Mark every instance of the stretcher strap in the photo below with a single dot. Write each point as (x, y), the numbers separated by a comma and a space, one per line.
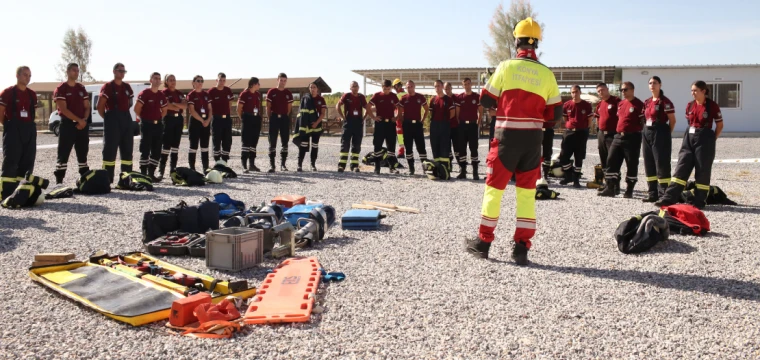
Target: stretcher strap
(216, 329)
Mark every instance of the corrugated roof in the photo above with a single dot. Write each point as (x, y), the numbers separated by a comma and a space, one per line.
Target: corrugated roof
(706, 66)
(236, 84)
(464, 69)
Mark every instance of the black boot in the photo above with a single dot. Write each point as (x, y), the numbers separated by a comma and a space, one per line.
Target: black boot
(191, 160)
(252, 161)
(462, 171)
(110, 169)
(568, 176)
(609, 190)
(545, 168)
(173, 162)
(313, 156)
(520, 253)
(204, 161)
(576, 180)
(144, 170)
(301, 156)
(282, 163)
(271, 163)
(151, 174)
(475, 175)
(630, 184)
(162, 165)
(411, 166)
(652, 195)
(59, 175)
(244, 161)
(377, 166)
(477, 247)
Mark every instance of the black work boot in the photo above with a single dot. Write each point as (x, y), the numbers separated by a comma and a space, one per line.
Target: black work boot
(520, 253)
(204, 161)
(301, 156)
(377, 166)
(652, 195)
(411, 166)
(576, 180)
(59, 175)
(545, 168)
(271, 164)
(462, 171)
(191, 161)
(252, 161)
(144, 170)
(630, 184)
(475, 175)
(282, 165)
(244, 161)
(313, 158)
(477, 247)
(609, 190)
(567, 177)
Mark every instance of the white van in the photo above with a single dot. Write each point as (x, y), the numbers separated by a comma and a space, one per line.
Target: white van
(54, 122)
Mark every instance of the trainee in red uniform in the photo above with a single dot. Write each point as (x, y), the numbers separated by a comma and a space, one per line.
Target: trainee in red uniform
(152, 102)
(199, 100)
(24, 100)
(656, 111)
(353, 105)
(606, 112)
(173, 97)
(440, 108)
(468, 106)
(577, 114)
(122, 92)
(74, 97)
(220, 100)
(412, 105)
(699, 116)
(630, 116)
(384, 104)
(279, 100)
(251, 101)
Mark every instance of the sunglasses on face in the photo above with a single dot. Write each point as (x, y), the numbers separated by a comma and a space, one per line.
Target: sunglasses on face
(122, 71)
(199, 81)
(623, 89)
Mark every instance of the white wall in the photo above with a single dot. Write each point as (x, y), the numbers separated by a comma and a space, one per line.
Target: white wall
(676, 83)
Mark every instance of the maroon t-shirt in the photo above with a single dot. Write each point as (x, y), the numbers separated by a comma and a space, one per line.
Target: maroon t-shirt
(353, 105)
(577, 114)
(630, 116)
(220, 100)
(199, 100)
(279, 100)
(173, 97)
(384, 104)
(74, 97)
(468, 106)
(658, 110)
(123, 94)
(24, 100)
(606, 112)
(702, 116)
(412, 105)
(319, 102)
(152, 102)
(251, 100)
(440, 108)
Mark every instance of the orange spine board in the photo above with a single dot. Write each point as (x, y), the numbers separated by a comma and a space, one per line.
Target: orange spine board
(287, 294)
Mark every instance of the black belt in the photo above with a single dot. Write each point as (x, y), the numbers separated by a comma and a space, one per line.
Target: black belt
(148, 121)
(622, 133)
(250, 114)
(413, 121)
(173, 115)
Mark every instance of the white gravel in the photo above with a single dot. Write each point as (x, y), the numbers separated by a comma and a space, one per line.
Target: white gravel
(411, 291)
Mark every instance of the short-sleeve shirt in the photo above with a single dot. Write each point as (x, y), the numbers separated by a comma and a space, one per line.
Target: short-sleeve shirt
(440, 108)
(220, 100)
(630, 116)
(173, 97)
(123, 95)
(320, 103)
(24, 101)
(702, 116)
(468, 106)
(152, 102)
(577, 114)
(279, 100)
(606, 111)
(74, 97)
(384, 104)
(657, 111)
(353, 105)
(412, 105)
(199, 100)
(251, 101)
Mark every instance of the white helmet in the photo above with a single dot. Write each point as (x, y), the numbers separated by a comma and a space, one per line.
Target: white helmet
(541, 182)
(214, 177)
(221, 162)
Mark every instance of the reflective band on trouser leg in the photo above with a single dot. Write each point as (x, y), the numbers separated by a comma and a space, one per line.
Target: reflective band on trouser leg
(662, 181)
(678, 181)
(525, 227)
(703, 187)
(343, 160)
(496, 180)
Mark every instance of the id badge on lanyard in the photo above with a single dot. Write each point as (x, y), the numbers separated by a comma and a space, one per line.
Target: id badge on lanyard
(203, 110)
(356, 112)
(24, 114)
(255, 111)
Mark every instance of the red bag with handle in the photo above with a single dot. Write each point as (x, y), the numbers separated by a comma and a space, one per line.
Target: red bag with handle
(690, 216)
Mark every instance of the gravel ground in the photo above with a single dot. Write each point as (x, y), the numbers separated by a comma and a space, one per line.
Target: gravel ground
(411, 291)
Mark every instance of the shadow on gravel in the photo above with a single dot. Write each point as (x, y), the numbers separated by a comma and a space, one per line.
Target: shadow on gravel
(133, 196)
(673, 247)
(8, 242)
(180, 191)
(736, 289)
(24, 223)
(75, 208)
(745, 209)
(333, 241)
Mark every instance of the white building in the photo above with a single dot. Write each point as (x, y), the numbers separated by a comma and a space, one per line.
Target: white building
(736, 88)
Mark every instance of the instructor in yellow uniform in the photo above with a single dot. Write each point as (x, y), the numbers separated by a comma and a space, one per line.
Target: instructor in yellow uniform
(525, 93)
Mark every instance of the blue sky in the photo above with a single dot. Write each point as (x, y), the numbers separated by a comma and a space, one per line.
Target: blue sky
(331, 38)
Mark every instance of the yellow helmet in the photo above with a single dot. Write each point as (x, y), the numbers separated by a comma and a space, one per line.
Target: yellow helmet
(396, 82)
(528, 29)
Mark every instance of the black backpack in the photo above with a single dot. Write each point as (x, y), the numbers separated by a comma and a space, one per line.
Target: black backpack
(94, 182)
(715, 196)
(27, 192)
(641, 232)
(134, 181)
(194, 219)
(183, 176)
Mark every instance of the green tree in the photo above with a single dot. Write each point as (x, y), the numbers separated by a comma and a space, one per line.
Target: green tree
(77, 48)
(502, 27)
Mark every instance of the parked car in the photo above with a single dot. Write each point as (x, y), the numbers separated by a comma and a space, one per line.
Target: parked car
(54, 122)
